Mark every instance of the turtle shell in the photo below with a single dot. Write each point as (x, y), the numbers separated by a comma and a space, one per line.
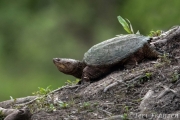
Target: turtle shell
(114, 50)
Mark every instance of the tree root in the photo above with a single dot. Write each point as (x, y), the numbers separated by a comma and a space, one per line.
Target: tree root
(165, 91)
(23, 114)
(8, 103)
(14, 114)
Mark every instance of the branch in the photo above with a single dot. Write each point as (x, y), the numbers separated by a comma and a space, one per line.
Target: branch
(8, 103)
(14, 114)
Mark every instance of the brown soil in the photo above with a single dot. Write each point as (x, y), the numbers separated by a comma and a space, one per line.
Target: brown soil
(158, 80)
(150, 91)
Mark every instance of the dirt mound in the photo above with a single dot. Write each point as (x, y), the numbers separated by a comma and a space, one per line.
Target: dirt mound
(148, 91)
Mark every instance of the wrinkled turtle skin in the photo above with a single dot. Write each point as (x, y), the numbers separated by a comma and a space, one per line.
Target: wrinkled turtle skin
(102, 58)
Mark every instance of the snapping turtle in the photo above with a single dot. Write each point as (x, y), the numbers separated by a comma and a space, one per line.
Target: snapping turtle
(102, 58)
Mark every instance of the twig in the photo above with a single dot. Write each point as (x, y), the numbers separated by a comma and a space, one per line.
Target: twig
(64, 87)
(108, 113)
(52, 92)
(110, 86)
(14, 114)
(116, 117)
(113, 84)
(6, 112)
(7, 103)
(165, 91)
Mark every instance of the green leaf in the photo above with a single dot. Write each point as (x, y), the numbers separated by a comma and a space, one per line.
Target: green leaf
(131, 29)
(124, 24)
(138, 32)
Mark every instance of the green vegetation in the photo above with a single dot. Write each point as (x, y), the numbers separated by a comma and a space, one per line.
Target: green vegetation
(145, 78)
(148, 75)
(42, 91)
(63, 104)
(126, 26)
(125, 116)
(175, 77)
(41, 102)
(86, 105)
(165, 58)
(1, 116)
(155, 33)
(72, 82)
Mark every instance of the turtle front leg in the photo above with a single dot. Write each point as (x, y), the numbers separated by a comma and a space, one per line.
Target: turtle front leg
(93, 73)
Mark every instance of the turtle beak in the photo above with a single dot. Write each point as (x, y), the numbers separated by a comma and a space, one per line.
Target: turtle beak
(55, 60)
(59, 63)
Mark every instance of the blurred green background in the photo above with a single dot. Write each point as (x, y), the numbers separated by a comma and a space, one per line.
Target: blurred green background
(32, 32)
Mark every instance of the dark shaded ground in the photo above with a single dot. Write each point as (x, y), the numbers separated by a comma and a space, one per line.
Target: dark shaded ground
(148, 91)
(90, 102)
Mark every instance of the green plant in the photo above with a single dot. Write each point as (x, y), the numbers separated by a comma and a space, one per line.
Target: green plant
(95, 104)
(1, 115)
(125, 116)
(42, 103)
(52, 107)
(126, 25)
(165, 58)
(14, 99)
(86, 105)
(148, 75)
(175, 76)
(155, 33)
(63, 104)
(42, 91)
(145, 78)
(69, 82)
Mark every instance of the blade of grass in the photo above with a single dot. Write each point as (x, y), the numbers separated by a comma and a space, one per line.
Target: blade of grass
(124, 24)
(132, 31)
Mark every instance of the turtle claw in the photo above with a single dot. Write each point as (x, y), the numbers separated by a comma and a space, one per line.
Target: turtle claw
(83, 82)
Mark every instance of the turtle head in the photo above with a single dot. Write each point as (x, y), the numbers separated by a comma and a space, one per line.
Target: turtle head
(69, 66)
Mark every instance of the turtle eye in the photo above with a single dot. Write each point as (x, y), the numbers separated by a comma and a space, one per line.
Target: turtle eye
(58, 59)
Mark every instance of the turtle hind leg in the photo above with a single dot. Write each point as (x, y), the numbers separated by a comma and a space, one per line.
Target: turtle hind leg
(91, 74)
(150, 52)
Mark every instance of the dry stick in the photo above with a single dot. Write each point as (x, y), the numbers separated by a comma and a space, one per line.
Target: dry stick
(113, 84)
(64, 87)
(108, 113)
(6, 112)
(116, 117)
(52, 92)
(14, 114)
(7, 103)
(145, 99)
(165, 91)
(29, 99)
